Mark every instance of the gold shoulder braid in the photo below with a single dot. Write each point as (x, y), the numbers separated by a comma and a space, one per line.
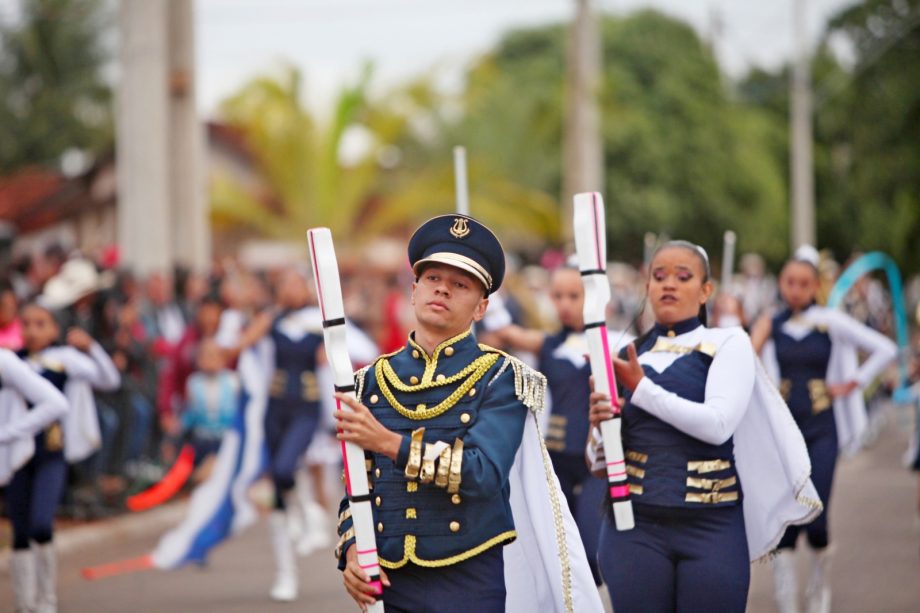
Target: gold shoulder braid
(470, 376)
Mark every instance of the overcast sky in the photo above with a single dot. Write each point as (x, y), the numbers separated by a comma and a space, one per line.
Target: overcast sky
(328, 39)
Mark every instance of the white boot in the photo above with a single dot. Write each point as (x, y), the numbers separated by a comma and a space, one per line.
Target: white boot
(785, 586)
(315, 530)
(46, 573)
(22, 573)
(285, 586)
(818, 594)
(318, 533)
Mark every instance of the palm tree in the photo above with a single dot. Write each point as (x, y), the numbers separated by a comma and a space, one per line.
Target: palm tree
(377, 190)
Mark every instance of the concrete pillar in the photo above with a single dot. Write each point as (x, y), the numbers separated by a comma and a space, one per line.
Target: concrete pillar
(142, 136)
(191, 235)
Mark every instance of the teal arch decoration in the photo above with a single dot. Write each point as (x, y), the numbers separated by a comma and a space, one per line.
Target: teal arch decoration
(863, 265)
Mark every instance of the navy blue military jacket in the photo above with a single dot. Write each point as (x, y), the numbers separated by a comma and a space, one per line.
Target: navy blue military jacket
(474, 400)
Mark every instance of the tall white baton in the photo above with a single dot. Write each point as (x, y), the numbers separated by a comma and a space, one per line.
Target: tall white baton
(460, 183)
(728, 260)
(591, 245)
(329, 292)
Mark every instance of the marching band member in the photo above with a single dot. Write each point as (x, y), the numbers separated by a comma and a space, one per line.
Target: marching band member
(36, 487)
(441, 422)
(811, 352)
(291, 350)
(711, 490)
(561, 359)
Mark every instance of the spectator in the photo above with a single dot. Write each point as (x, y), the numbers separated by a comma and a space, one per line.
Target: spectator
(10, 326)
(212, 396)
(181, 363)
(161, 315)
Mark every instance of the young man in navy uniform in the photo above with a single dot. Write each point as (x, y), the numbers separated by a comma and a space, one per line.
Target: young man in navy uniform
(440, 421)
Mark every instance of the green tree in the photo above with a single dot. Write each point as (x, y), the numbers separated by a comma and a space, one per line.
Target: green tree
(869, 124)
(681, 156)
(52, 94)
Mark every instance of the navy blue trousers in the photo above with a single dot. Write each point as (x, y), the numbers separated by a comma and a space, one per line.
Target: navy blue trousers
(289, 428)
(33, 494)
(822, 451)
(683, 560)
(585, 495)
(477, 584)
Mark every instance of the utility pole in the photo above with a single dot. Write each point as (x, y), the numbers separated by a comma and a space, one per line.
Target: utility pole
(802, 213)
(583, 151)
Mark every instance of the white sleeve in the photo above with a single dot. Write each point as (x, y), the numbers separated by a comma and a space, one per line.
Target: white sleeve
(729, 386)
(95, 367)
(880, 348)
(48, 403)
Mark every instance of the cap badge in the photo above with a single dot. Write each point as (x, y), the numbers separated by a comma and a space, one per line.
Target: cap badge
(460, 228)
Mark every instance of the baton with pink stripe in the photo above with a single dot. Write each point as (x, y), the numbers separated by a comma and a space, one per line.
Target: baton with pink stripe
(329, 293)
(591, 247)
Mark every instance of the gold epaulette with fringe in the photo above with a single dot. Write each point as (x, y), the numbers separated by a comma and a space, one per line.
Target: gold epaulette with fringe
(529, 384)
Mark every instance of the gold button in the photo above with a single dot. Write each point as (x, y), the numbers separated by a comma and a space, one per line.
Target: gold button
(380, 526)
(455, 499)
(377, 501)
(413, 380)
(464, 418)
(374, 398)
(441, 378)
(449, 351)
(421, 406)
(472, 392)
(377, 472)
(454, 526)
(671, 333)
(415, 353)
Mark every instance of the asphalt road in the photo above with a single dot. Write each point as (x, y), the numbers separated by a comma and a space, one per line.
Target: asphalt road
(874, 526)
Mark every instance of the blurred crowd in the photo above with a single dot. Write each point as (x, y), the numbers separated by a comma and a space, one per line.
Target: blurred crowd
(162, 329)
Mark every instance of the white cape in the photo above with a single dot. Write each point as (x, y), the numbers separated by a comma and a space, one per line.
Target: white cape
(774, 468)
(546, 568)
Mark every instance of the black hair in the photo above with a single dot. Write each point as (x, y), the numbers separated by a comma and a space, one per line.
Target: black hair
(808, 263)
(212, 298)
(58, 316)
(702, 256)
